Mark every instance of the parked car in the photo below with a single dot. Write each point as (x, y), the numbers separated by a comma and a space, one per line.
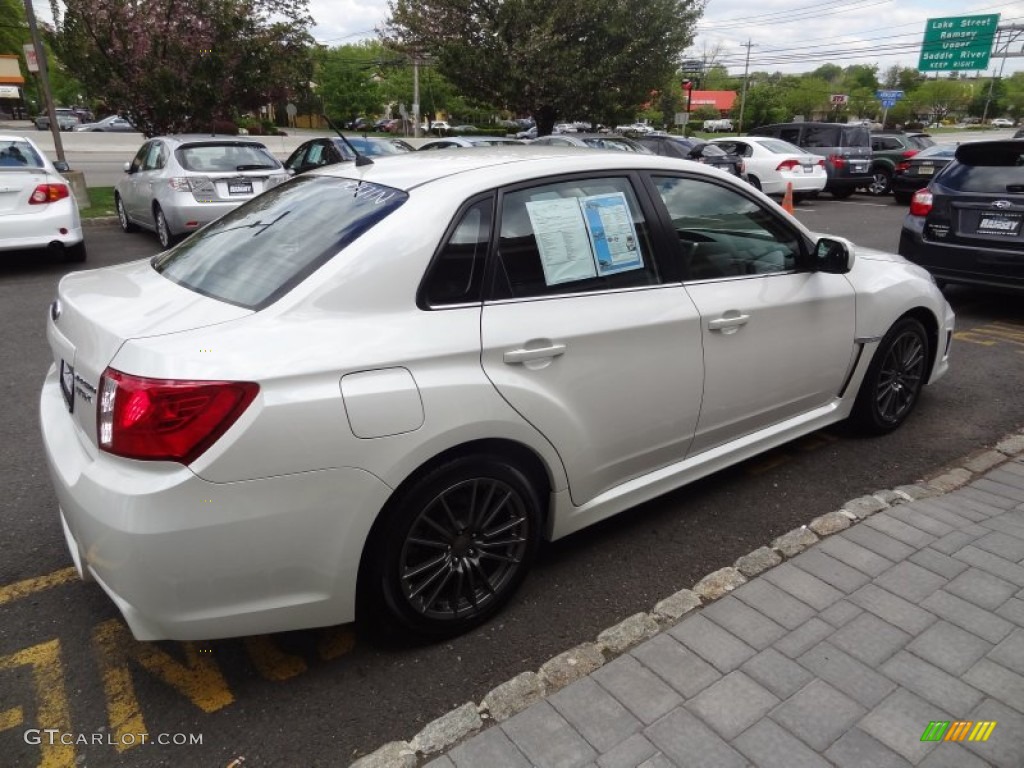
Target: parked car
(714, 126)
(889, 149)
(177, 184)
(696, 150)
(318, 409)
(1002, 122)
(436, 128)
(317, 153)
(66, 120)
(111, 124)
(846, 149)
(916, 172)
(527, 134)
(38, 209)
(773, 164)
(965, 226)
(458, 129)
(591, 141)
(455, 142)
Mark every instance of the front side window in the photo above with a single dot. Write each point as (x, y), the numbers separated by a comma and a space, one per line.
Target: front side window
(573, 236)
(258, 252)
(722, 233)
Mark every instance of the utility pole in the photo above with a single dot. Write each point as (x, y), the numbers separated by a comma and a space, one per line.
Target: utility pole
(746, 69)
(44, 78)
(415, 93)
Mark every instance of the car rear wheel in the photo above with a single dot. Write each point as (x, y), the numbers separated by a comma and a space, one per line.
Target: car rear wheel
(754, 181)
(880, 181)
(452, 549)
(163, 231)
(122, 215)
(894, 379)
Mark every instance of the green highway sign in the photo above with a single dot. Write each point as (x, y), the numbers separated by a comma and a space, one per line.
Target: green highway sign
(958, 42)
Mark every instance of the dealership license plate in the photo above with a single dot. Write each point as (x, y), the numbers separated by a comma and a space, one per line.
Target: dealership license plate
(239, 187)
(999, 224)
(926, 170)
(858, 167)
(67, 384)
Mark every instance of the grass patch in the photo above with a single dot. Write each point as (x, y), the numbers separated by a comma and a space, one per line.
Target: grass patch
(102, 203)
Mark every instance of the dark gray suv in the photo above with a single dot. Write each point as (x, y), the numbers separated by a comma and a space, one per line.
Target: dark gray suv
(846, 149)
(967, 225)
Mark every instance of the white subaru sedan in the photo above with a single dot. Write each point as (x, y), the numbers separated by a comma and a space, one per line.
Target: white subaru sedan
(374, 390)
(38, 210)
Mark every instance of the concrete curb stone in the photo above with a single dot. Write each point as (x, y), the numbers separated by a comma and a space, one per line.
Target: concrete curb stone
(515, 695)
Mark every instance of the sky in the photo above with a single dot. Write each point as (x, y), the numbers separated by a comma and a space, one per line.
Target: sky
(789, 36)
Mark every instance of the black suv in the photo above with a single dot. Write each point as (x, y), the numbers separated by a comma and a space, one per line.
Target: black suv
(889, 149)
(846, 149)
(965, 226)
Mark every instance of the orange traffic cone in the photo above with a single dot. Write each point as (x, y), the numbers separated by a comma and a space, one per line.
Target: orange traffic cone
(787, 200)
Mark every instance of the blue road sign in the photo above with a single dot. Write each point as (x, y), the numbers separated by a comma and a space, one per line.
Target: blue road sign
(889, 95)
(888, 103)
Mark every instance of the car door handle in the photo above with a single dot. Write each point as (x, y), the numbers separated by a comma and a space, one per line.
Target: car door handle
(524, 354)
(728, 321)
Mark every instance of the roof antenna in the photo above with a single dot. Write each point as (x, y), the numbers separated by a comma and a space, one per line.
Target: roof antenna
(360, 159)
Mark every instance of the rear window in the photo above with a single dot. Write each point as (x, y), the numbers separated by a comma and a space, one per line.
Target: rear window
(257, 253)
(855, 136)
(987, 167)
(225, 157)
(779, 147)
(19, 154)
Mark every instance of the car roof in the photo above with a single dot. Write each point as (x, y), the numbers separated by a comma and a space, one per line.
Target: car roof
(192, 138)
(491, 166)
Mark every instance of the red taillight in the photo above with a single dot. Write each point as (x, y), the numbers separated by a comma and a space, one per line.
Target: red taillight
(902, 167)
(787, 165)
(166, 419)
(910, 152)
(921, 203)
(48, 193)
(838, 161)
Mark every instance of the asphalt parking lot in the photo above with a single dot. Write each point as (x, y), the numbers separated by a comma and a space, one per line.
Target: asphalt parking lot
(323, 697)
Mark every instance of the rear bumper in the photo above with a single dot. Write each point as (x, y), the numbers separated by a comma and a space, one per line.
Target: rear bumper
(25, 231)
(187, 559)
(956, 263)
(184, 214)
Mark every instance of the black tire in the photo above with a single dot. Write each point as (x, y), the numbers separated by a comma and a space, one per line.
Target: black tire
(880, 184)
(902, 198)
(428, 567)
(754, 181)
(122, 215)
(893, 383)
(841, 193)
(75, 253)
(163, 231)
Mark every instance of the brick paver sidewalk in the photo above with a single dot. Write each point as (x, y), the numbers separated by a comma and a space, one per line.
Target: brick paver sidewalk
(842, 656)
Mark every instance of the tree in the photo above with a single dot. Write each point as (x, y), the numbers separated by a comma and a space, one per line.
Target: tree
(939, 98)
(175, 66)
(830, 73)
(582, 59)
(13, 28)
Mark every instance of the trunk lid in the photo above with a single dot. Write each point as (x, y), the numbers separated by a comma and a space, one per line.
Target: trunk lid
(16, 186)
(97, 311)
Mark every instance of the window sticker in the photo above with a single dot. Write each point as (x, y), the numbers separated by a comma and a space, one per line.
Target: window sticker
(579, 238)
(565, 250)
(612, 233)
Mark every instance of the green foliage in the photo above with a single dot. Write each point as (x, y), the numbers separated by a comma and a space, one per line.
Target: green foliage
(175, 66)
(580, 59)
(939, 98)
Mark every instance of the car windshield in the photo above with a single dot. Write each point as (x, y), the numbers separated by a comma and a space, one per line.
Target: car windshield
(225, 157)
(19, 154)
(261, 250)
(938, 150)
(601, 142)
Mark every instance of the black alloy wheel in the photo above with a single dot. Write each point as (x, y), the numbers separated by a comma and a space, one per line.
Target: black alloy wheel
(893, 383)
(453, 549)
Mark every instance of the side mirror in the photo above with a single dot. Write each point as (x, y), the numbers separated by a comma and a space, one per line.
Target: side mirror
(127, 167)
(61, 166)
(833, 255)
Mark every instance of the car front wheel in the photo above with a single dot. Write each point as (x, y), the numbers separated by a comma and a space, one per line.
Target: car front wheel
(452, 549)
(894, 379)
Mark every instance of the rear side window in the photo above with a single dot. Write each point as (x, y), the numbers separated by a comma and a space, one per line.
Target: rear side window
(854, 136)
(456, 274)
(225, 157)
(821, 136)
(255, 254)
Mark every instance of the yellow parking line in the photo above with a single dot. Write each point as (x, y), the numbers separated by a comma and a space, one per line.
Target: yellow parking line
(20, 589)
(11, 718)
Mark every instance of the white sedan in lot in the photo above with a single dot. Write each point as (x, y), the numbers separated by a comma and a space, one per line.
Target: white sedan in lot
(373, 390)
(773, 164)
(38, 209)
